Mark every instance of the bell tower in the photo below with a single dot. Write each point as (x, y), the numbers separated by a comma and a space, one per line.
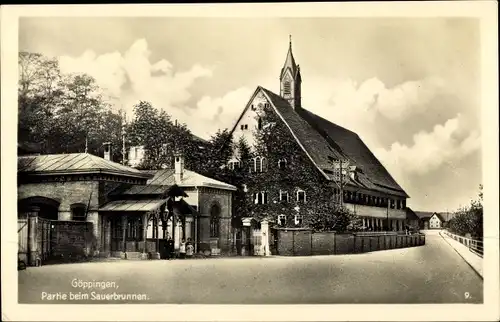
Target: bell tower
(290, 80)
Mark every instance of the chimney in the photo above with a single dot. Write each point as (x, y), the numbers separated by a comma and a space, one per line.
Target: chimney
(179, 167)
(107, 151)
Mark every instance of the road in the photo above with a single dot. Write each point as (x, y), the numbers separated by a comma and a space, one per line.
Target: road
(433, 273)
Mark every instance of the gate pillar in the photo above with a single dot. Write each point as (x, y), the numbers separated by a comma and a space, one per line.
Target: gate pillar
(265, 235)
(33, 251)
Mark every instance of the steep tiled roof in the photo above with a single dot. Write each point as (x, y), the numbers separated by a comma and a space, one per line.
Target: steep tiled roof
(317, 147)
(73, 163)
(410, 214)
(355, 149)
(189, 179)
(323, 140)
(424, 214)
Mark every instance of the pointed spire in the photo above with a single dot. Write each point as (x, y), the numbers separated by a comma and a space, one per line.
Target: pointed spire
(289, 61)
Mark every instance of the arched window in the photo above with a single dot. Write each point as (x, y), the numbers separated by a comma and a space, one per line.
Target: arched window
(214, 221)
(264, 165)
(282, 164)
(78, 212)
(257, 164)
(287, 88)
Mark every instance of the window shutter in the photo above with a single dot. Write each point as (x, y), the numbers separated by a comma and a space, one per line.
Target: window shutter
(264, 164)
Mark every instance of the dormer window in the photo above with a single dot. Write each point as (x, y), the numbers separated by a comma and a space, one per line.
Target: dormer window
(282, 164)
(301, 196)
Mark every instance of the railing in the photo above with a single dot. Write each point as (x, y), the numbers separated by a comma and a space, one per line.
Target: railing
(474, 245)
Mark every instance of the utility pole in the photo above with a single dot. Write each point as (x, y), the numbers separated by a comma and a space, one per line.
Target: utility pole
(341, 186)
(339, 178)
(124, 115)
(388, 201)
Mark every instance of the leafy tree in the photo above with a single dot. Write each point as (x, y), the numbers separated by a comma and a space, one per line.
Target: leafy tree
(63, 113)
(39, 94)
(469, 219)
(162, 139)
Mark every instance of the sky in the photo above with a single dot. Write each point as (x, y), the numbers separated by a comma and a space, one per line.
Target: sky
(409, 87)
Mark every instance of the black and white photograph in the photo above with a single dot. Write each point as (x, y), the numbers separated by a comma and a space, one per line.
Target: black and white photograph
(229, 155)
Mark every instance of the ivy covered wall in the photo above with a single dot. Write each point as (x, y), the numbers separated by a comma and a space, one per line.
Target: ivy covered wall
(277, 163)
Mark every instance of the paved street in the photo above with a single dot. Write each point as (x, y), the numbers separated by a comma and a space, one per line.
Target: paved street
(433, 273)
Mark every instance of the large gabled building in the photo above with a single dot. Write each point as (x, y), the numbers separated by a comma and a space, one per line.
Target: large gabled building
(370, 191)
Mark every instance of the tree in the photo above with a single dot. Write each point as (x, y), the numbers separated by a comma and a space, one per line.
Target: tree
(162, 139)
(63, 113)
(469, 219)
(39, 94)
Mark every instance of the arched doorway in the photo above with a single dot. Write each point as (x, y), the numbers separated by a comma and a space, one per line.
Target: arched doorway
(47, 208)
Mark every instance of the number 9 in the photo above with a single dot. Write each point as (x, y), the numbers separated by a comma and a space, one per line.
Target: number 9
(467, 295)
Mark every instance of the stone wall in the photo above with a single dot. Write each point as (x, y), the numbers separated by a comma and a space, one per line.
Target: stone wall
(67, 194)
(294, 242)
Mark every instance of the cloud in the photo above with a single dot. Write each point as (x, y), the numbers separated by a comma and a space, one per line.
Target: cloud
(155, 82)
(221, 112)
(446, 144)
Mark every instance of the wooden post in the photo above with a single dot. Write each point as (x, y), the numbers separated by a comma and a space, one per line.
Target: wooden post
(156, 230)
(145, 223)
(196, 234)
(124, 230)
(174, 221)
(32, 237)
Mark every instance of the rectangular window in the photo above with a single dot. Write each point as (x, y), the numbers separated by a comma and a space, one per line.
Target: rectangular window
(283, 196)
(232, 165)
(282, 220)
(298, 220)
(301, 196)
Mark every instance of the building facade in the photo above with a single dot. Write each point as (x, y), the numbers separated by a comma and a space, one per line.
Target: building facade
(320, 147)
(212, 199)
(130, 212)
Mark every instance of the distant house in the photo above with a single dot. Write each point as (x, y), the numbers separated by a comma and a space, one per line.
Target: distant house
(137, 153)
(430, 220)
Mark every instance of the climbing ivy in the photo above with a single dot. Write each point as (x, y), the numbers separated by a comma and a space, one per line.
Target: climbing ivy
(275, 143)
